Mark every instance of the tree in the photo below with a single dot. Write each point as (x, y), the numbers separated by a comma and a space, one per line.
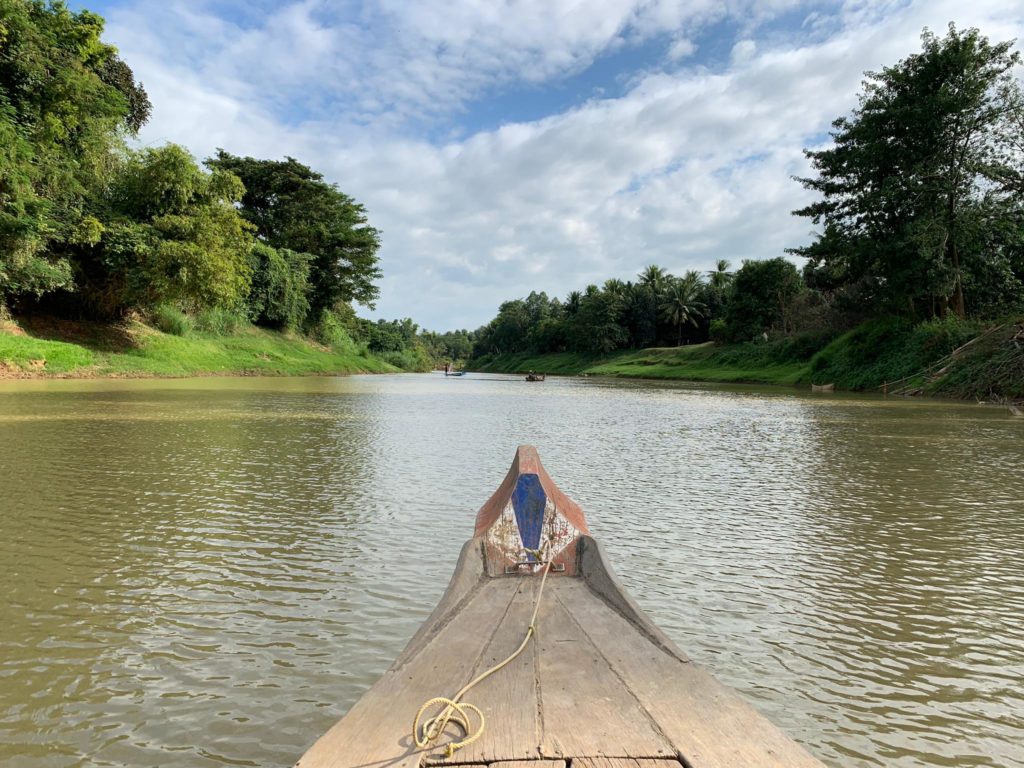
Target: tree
(928, 160)
(681, 303)
(277, 298)
(652, 282)
(292, 207)
(174, 236)
(572, 302)
(597, 327)
(762, 293)
(720, 277)
(66, 102)
(654, 277)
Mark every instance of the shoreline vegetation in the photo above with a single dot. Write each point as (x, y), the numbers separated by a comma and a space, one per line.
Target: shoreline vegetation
(121, 260)
(948, 359)
(133, 349)
(913, 282)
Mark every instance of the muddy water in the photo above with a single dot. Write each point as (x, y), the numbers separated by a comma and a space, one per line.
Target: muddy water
(209, 572)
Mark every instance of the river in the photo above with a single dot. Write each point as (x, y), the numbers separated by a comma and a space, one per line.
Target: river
(209, 572)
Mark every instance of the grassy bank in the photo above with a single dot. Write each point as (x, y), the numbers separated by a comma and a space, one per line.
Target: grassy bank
(133, 349)
(950, 358)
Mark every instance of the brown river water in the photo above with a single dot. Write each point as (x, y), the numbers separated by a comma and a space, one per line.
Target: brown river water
(210, 572)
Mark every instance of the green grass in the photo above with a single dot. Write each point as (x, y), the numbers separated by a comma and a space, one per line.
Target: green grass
(145, 351)
(990, 369)
(773, 363)
(889, 350)
(878, 352)
(558, 364)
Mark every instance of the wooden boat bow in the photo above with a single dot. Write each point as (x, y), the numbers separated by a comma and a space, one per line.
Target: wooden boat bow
(599, 687)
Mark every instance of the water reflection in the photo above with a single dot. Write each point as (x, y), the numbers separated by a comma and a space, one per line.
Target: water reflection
(210, 572)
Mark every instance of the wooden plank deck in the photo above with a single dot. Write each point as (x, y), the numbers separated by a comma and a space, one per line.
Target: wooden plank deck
(598, 688)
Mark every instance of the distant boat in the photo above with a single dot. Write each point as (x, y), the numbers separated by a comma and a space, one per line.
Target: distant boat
(573, 674)
(823, 387)
(455, 373)
(535, 377)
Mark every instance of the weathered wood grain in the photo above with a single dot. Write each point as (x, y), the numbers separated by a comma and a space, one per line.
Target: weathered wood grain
(708, 724)
(377, 730)
(598, 687)
(585, 707)
(508, 698)
(623, 762)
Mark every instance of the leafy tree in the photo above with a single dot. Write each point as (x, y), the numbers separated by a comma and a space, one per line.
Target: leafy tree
(66, 101)
(277, 298)
(175, 236)
(449, 346)
(716, 290)
(928, 161)
(655, 278)
(597, 327)
(509, 331)
(640, 315)
(762, 293)
(572, 302)
(653, 281)
(292, 206)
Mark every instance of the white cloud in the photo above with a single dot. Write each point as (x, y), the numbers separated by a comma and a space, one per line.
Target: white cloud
(685, 167)
(743, 51)
(681, 49)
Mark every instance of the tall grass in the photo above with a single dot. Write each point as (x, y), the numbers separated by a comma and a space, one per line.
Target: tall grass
(171, 320)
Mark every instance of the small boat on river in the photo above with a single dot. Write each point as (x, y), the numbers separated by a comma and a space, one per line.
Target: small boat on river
(535, 377)
(536, 654)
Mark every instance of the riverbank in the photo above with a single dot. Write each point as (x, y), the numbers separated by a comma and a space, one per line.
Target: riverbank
(947, 358)
(62, 349)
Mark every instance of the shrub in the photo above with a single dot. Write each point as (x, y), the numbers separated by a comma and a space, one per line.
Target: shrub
(410, 359)
(330, 331)
(220, 321)
(172, 320)
(277, 298)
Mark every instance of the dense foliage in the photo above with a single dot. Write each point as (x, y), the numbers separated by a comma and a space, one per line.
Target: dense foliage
(922, 208)
(66, 102)
(92, 228)
(291, 206)
(921, 190)
(658, 309)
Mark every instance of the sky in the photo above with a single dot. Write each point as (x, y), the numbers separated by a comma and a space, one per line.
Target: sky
(506, 146)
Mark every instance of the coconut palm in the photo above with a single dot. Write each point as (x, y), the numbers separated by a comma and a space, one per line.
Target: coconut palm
(572, 302)
(615, 287)
(655, 278)
(720, 276)
(680, 303)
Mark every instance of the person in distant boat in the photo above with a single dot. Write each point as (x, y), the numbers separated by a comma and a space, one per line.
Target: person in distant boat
(447, 368)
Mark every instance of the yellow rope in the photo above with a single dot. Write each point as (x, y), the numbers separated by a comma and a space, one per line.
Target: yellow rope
(454, 710)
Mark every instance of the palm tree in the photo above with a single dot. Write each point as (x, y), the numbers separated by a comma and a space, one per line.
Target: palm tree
(654, 277)
(720, 276)
(572, 302)
(615, 287)
(681, 304)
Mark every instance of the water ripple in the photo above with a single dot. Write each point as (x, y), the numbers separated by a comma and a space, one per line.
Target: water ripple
(208, 573)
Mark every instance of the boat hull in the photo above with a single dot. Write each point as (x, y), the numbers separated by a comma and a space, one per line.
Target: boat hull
(600, 686)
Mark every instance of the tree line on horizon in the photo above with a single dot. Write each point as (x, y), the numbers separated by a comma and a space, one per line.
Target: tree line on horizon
(921, 214)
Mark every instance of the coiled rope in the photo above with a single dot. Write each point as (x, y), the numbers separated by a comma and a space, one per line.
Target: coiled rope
(455, 710)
